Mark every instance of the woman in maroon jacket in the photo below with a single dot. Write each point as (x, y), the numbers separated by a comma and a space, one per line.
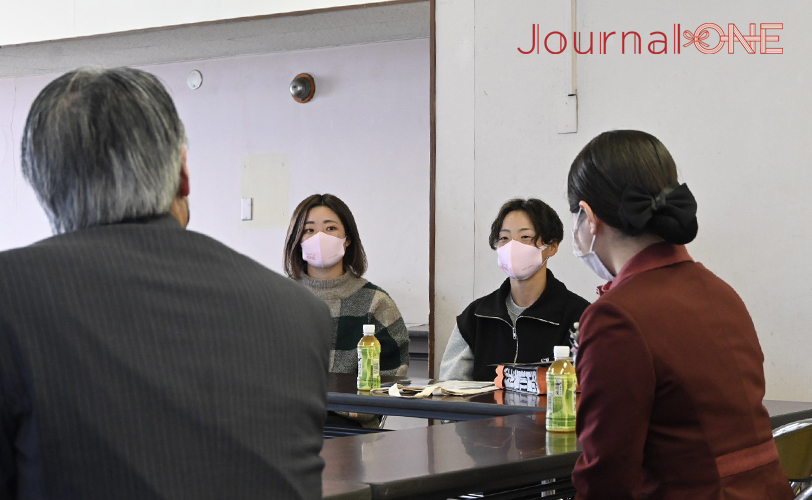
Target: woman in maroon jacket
(669, 360)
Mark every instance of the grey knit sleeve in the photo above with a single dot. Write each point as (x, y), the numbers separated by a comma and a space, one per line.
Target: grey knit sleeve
(387, 314)
(458, 358)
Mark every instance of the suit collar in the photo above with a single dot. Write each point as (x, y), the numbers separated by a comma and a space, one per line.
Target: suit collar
(652, 257)
(165, 219)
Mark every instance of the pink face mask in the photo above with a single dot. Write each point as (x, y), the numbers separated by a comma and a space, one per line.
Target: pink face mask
(323, 250)
(520, 261)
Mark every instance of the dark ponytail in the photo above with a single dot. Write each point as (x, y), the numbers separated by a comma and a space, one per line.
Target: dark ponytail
(629, 180)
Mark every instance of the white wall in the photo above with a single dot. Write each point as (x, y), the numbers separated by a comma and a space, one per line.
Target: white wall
(364, 137)
(22, 221)
(25, 21)
(737, 125)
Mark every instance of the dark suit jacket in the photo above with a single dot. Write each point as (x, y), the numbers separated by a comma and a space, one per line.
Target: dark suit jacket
(143, 361)
(671, 372)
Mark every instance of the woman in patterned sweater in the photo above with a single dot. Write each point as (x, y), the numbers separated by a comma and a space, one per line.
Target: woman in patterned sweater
(324, 253)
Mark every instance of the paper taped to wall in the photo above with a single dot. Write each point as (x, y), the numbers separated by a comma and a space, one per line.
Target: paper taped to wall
(265, 179)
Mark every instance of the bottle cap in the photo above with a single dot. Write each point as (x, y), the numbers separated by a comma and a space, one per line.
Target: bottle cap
(370, 330)
(561, 351)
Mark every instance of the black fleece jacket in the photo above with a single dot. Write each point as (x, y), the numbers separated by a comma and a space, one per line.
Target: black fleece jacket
(486, 326)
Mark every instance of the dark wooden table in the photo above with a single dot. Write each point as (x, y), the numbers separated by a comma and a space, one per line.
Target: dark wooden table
(439, 461)
(344, 490)
(784, 412)
(481, 452)
(453, 459)
(343, 396)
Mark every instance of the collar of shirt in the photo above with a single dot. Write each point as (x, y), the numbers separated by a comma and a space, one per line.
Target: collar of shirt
(652, 257)
(548, 307)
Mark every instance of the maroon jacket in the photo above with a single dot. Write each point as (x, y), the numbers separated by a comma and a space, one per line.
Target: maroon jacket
(671, 372)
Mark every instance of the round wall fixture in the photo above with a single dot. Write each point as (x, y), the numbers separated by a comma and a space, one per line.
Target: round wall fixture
(303, 87)
(195, 79)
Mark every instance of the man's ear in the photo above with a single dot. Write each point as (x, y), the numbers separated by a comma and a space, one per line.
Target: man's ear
(552, 249)
(183, 188)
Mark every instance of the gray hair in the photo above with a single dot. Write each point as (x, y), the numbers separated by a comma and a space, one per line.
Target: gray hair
(101, 146)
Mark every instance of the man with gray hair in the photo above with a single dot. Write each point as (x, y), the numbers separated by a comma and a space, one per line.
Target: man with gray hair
(139, 360)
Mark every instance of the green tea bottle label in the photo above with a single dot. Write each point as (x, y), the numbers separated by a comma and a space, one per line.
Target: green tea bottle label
(369, 367)
(560, 402)
(561, 392)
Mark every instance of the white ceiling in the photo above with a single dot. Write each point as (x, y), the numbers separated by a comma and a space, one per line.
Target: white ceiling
(379, 23)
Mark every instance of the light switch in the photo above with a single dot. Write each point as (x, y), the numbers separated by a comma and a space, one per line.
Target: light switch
(247, 208)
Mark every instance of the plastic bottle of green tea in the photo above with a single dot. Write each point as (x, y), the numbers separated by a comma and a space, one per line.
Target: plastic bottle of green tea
(369, 360)
(561, 392)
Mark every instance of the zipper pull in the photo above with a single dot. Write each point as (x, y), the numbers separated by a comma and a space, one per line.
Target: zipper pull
(514, 332)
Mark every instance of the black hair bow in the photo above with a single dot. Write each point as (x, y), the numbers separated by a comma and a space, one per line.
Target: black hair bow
(638, 206)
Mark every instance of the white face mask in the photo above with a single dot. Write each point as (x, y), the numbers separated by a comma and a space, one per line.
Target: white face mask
(520, 261)
(589, 258)
(323, 250)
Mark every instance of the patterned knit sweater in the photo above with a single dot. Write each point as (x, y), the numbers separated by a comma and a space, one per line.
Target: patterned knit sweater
(354, 302)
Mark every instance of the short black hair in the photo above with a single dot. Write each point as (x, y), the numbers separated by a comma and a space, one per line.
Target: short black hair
(545, 220)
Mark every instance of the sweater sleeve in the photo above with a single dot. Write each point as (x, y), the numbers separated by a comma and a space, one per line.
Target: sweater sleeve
(392, 334)
(458, 358)
(616, 374)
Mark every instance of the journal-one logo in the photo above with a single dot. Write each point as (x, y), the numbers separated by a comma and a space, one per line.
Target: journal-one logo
(758, 39)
